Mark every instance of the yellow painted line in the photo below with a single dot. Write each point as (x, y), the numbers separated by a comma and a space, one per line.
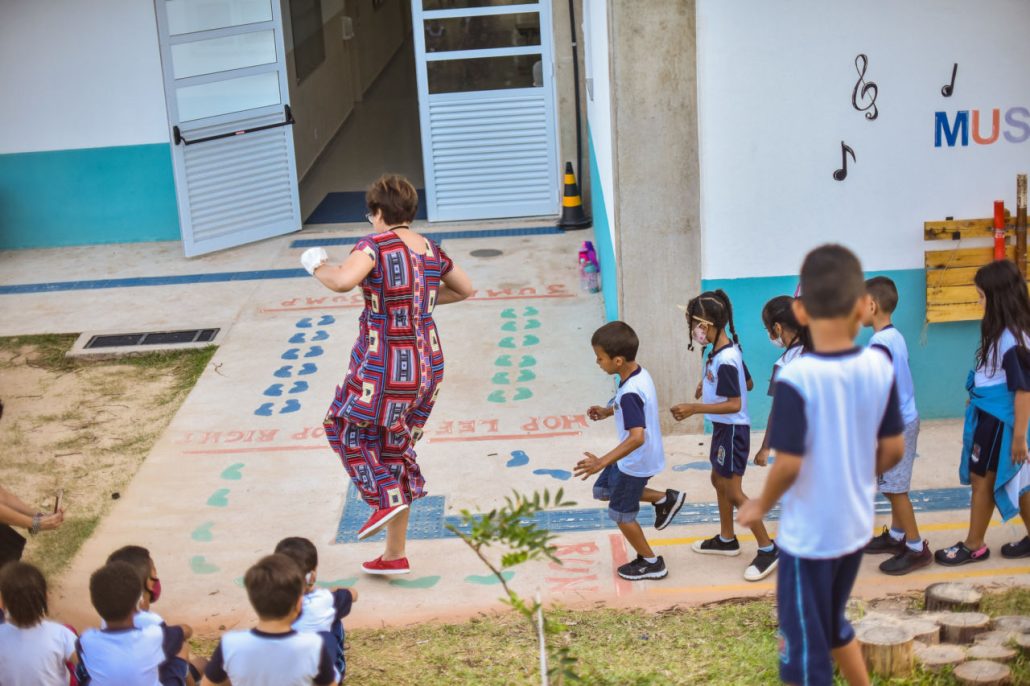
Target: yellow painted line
(939, 526)
(879, 580)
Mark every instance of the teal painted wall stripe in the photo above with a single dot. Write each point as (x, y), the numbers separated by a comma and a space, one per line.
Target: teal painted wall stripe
(81, 197)
(603, 239)
(940, 359)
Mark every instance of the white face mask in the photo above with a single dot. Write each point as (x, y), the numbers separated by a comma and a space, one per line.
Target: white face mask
(701, 334)
(778, 342)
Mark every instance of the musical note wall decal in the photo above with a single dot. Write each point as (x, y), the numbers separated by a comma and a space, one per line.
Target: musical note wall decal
(845, 150)
(865, 91)
(949, 88)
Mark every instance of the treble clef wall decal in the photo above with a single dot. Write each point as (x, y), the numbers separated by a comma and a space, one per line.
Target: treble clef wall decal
(845, 150)
(864, 90)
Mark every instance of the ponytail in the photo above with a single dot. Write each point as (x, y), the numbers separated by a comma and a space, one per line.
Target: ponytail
(721, 294)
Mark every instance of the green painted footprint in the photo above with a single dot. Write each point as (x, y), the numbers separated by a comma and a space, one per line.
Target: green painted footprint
(523, 394)
(489, 579)
(496, 397)
(527, 361)
(232, 472)
(219, 498)
(509, 326)
(530, 312)
(532, 324)
(501, 378)
(424, 582)
(503, 361)
(199, 565)
(509, 313)
(338, 583)
(529, 340)
(239, 581)
(525, 375)
(203, 532)
(507, 342)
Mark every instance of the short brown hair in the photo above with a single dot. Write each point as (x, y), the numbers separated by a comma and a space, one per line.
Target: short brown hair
(274, 585)
(617, 339)
(115, 590)
(23, 591)
(395, 197)
(883, 292)
(138, 557)
(831, 282)
(300, 550)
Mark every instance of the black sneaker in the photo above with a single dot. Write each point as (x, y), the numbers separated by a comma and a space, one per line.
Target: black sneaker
(1018, 549)
(642, 569)
(664, 513)
(717, 546)
(959, 554)
(907, 561)
(763, 565)
(884, 544)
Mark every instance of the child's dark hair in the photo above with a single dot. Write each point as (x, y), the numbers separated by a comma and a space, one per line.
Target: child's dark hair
(714, 307)
(300, 550)
(831, 282)
(1006, 306)
(274, 585)
(138, 557)
(617, 339)
(23, 590)
(883, 291)
(115, 590)
(780, 310)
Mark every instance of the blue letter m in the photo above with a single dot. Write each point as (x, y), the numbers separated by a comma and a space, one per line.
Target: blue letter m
(951, 134)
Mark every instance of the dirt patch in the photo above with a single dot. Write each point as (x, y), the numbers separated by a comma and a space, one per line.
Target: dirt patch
(83, 427)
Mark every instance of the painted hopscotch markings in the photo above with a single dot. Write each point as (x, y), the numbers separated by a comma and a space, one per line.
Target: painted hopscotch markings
(428, 520)
(549, 291)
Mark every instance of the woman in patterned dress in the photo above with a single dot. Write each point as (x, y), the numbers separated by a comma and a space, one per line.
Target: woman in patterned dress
(396, 365)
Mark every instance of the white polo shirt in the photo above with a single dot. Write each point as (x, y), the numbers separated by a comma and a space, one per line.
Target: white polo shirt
(725, 378)
(128, 657)
(892, 343)
(35, 656)
(322, 609)
(636, 405)
(256, 658)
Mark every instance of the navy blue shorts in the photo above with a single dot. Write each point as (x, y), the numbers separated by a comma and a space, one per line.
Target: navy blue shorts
(731, 446)
(811, 596)
(173, 671)
(622, 492)
(986, 444)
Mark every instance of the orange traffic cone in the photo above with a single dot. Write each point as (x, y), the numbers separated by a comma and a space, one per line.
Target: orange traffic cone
(572, 214)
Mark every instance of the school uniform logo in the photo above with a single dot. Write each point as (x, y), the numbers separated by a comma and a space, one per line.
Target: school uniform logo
(974, 454)
(720, 455)
(783, 648)
(710, 376)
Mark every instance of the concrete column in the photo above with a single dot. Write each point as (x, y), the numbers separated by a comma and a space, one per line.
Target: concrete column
(657, 186)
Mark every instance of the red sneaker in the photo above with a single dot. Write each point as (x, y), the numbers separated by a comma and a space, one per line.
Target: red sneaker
(379, 519)
(381, 566)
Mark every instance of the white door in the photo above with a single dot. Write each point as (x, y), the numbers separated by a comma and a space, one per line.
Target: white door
(232, 141)
(487, 108)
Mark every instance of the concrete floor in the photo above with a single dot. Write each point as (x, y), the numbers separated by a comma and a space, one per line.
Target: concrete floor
(243, 462)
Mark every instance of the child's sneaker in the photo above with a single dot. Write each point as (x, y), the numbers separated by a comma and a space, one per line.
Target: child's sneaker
(717, 546)
(763, 565)
(1018, 549)
(379, 519)
(382, 567)
(907, 561)
(664, 513)
(642, 569)
(959, 554)
(884, 544)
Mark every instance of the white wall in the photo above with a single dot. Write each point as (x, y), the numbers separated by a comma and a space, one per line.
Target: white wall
(599, 115)
(79, 74)
(775, 83)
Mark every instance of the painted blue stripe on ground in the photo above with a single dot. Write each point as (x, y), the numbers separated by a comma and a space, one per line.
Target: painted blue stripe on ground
(179, 279)
(428, 520)
(438, 236)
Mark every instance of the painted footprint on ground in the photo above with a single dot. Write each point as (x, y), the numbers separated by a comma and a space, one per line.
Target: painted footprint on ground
(233, 472)
(203, 532)
(489, 579)
(518, 459)
(200, 565)
(559, 474)
(424, 582)
(219, 498)
(338, 583)
(274, 391)
(692, 465)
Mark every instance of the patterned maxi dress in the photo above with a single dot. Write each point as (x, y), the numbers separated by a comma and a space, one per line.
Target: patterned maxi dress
(395, 370)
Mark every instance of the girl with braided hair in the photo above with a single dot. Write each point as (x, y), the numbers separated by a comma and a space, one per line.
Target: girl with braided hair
(724, 403)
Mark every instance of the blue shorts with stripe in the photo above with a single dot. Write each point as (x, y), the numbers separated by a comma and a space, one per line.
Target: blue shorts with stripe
(731, 447)
(811, 596)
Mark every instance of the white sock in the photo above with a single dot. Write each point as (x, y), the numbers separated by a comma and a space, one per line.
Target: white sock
(898, 536)
(650, 560)
(662, 501)
(915, 546)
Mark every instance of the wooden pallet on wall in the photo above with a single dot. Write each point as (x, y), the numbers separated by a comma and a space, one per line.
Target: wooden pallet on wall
(950, 293)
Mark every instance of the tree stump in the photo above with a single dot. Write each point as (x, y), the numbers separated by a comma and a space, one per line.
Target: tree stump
(982, 673)
(1019, 624)
(923, 630)
(937, 657)
(996, 652)
(950, 596)
(962, 627)
(1023, 641)
(997, 637)
(887, 649)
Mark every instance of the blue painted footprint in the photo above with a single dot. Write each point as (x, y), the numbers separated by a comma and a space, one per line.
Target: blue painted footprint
(527, 361)
(314, 351)
(274, 390)
(509, 313)
(518, 459)
(307, 368)
(199, 565)
(532, 324)
(264, 411)
(291, 354)
(509, 326)
(530, 312)
(507, 342)
(704, 466)
(501, 378)
(233, 472)
(284, 372)
(326, 320)
(297, 338)
(525, 375)
(203, 532)
(304, 323)
(496, 397)
(292, 405)
(503, 361)
(529, 340)
(299, 387)
(320, 336)
(219, 498)
(523, 394)
(559, 474)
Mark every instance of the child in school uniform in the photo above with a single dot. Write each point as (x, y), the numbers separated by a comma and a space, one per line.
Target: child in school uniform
(272, 653)
(994, 441)
(836, 424)
(787, 334)
(121, 654)
(724, 404)
(34, 651)
(626, 469)
(901, 540)
(323, 610)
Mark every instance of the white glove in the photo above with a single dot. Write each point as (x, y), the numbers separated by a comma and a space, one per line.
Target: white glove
(313, 258)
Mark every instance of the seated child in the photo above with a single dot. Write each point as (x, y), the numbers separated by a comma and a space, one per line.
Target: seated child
(272, 653)
(323, 610)
(121, 654)
(626, 469)
(33, 650)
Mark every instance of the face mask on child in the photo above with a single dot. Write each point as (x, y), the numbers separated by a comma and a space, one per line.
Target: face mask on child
(778, 342)
(701, 334)
(155, 592)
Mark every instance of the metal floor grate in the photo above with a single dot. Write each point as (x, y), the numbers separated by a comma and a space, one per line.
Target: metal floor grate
(122, 340)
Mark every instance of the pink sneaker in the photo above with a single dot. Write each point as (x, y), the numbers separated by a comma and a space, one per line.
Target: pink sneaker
(380, 566)
(378, 520)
